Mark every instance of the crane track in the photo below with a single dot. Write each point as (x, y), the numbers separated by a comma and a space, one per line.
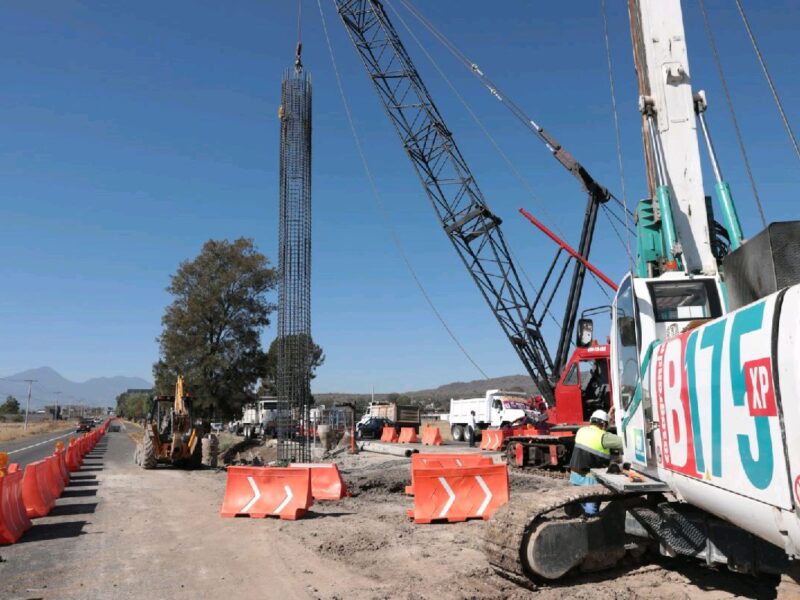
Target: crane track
(505, 532)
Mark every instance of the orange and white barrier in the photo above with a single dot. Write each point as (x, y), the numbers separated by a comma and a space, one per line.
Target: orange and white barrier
(326, 481)
(408, 435)
(37, 494)
(442, 460)
(460, 493)
(14, 519)
(259, 492)
(389, 434)
(492, 439)
(431, 436)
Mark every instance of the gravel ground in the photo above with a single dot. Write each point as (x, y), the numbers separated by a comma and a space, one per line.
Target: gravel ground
(158, 534)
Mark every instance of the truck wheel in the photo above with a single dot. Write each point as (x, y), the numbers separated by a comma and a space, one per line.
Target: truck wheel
(147, 456)
(247, 432)
(458, 433)
(511, 455)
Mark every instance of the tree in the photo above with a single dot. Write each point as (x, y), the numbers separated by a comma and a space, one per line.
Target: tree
(212, 329)
(133, 405)
(315, 357)
(10, 406)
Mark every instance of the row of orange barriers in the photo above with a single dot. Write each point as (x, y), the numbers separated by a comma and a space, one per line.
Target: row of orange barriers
(283, 492)
(456, 487)
(32, 492)
(408, 435)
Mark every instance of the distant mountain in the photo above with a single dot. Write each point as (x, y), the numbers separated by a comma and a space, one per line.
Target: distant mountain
(99, 391)
(441, 395)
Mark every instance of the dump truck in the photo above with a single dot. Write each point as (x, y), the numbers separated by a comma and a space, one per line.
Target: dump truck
(401, 415)
(496, 408)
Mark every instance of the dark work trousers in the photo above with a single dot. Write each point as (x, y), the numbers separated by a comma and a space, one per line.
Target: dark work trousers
(471, 437)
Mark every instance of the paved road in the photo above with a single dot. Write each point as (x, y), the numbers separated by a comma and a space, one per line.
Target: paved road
(36, 447)
(121, 532)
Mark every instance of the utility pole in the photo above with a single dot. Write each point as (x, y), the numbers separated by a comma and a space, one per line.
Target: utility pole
(28, 404)
(55, 410)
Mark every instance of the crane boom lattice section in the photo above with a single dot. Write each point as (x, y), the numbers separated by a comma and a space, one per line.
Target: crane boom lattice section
(467, 220)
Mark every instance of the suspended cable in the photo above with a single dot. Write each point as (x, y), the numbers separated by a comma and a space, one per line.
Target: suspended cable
(729, 101)
(379, 201)
(617, 136)
(559, 153)
(494, 143)
(299, 20)
(767, 76)
(298, 63)
(475, 118)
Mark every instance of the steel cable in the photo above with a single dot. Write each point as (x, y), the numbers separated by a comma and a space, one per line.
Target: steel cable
(379, 201)
(768, 77)
(729, 101)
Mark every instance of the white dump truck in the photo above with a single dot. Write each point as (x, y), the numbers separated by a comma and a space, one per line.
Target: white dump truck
(259, 418)
(496, 409)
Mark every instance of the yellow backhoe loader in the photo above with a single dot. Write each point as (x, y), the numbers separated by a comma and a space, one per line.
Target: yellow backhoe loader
(170, 436)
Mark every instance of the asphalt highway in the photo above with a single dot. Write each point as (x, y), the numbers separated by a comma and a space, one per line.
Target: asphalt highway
(36, 447)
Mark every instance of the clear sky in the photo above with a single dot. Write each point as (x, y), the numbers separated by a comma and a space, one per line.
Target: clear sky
(134, 131)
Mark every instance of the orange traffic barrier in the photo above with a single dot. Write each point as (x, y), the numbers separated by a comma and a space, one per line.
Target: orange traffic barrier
(61, 460)
(492, 439)
(458, 494)
(36, 489)
(431, 436)
(54, 479)
(389, 434)
(259, 492)
(73, 456)
(326, 481)
(14, 520)
(408, 435)
(444, 460)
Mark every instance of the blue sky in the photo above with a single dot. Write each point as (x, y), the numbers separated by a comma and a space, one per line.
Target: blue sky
(133, 132)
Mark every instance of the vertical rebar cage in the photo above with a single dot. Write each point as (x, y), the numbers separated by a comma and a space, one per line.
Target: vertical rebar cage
(294, 266)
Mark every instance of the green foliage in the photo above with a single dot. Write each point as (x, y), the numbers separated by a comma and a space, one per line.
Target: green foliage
(312, 357)
(10, 406)
(17, 418)
(133, 406)
(213, 327)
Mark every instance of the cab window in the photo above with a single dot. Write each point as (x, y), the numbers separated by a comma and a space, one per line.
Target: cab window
(572, 375)
(626, 340)
(684, 300)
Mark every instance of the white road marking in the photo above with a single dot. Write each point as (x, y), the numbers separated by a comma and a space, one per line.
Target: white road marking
(282, 505)
(40, 443)
(486, 491)
(450, 500)
(256, 495)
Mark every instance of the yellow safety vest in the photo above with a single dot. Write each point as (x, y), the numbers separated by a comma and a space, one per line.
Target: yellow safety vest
(589, 452)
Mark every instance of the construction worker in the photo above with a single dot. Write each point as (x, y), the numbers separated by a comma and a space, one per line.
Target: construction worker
(593, 446)
(471, 426)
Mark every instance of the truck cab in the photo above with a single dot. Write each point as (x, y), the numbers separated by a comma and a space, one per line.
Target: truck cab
(584, 386)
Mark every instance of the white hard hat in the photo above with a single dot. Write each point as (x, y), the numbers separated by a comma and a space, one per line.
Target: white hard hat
(600, 415)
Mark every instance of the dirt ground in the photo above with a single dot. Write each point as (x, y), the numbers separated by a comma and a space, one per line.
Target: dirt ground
(158, 534)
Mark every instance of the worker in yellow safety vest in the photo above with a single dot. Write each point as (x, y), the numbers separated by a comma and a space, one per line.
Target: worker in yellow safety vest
(593, 446)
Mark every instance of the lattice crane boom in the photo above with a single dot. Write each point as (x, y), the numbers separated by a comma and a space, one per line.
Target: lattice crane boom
(459, 203)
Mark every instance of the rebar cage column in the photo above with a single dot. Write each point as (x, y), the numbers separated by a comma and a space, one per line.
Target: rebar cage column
(294, 266)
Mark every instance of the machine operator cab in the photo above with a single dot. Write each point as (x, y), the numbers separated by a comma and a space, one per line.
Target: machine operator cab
(647, 311)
